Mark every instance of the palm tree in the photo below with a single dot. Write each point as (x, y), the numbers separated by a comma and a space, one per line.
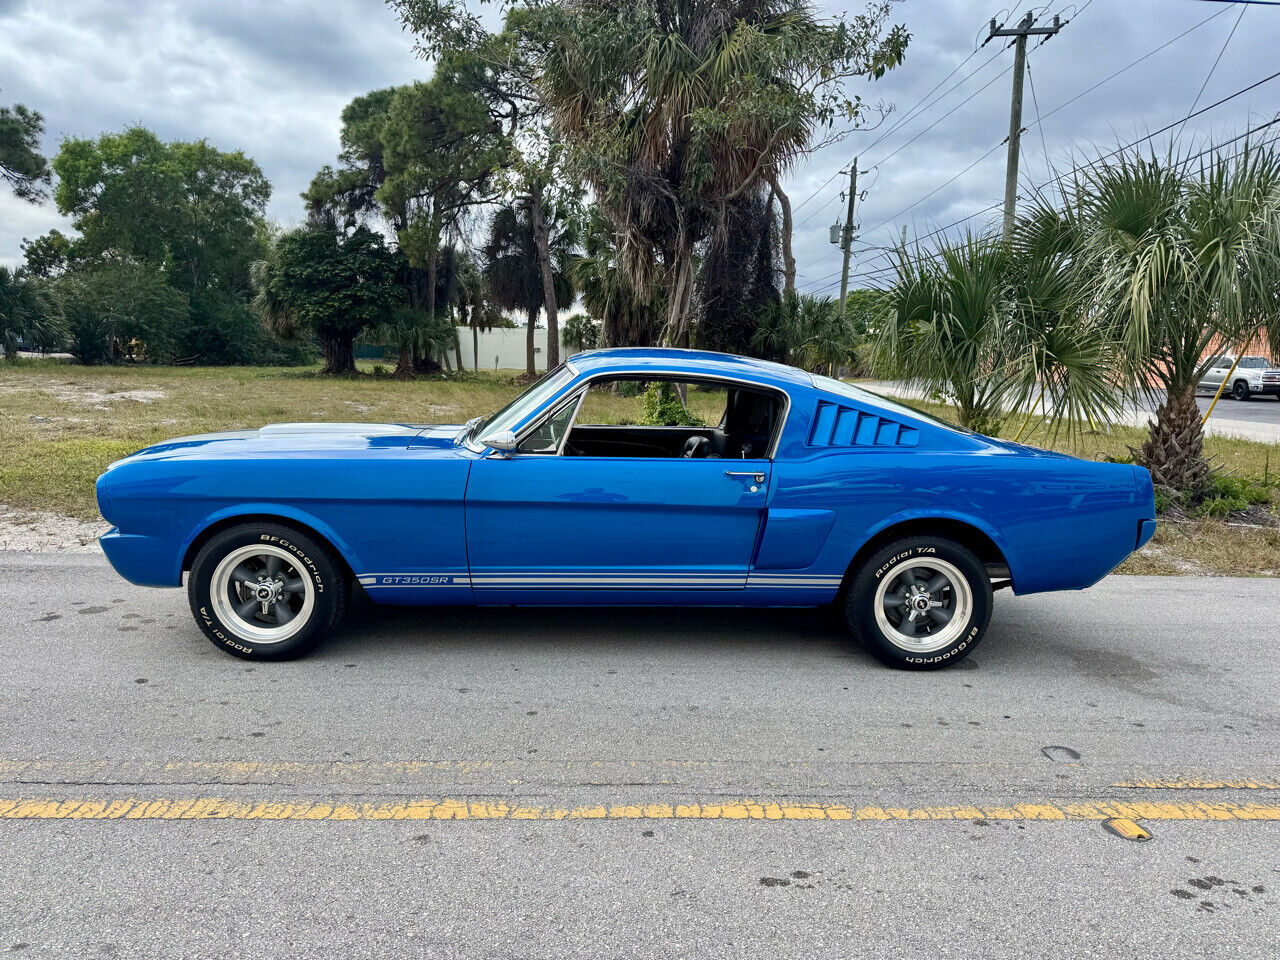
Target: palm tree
(830, 340)
(1178, 255)
(628, 317)
(27, 314)
(513, 273)
(996, 326)
(951, 330)
(680, 108)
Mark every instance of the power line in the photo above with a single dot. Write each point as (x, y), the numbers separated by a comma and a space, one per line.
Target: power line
(1217, 60)
(1166, 128)
(890, 268)
(1041, 118)
(1131, 65)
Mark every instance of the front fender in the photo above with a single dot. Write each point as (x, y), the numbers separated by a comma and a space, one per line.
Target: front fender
(279, 511)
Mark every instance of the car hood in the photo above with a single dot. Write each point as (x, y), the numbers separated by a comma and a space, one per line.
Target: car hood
(301, 438)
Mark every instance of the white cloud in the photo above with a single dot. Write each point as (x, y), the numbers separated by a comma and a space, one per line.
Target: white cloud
(272, 77)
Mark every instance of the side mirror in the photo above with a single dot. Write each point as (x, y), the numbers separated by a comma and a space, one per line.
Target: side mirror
(506, 441)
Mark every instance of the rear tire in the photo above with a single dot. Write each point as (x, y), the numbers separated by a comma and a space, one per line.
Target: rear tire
(266, 591)
(920, 603)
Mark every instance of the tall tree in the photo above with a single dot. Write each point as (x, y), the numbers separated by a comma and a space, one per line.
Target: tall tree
(187, 209)
(513, 269)
(441, 149)
(503, 68)
(348, 193)
(22, 165)
(331, 284)
(676, 110)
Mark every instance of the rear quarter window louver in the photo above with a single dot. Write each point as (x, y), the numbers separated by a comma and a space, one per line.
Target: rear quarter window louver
(837, 425)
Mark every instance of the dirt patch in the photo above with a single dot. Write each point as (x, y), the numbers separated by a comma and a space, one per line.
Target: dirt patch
(74, 393)
(37, 532)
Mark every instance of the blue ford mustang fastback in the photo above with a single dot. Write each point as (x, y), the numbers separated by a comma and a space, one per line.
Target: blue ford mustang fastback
(804, 492)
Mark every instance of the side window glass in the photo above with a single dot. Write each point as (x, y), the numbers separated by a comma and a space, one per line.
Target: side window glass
(547, 436)
(627, 402)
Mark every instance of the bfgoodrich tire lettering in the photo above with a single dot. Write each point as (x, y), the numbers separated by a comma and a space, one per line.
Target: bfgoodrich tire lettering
(266, 591)
(920, 603)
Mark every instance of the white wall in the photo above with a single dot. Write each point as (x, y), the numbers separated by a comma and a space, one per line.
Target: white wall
(505, 349)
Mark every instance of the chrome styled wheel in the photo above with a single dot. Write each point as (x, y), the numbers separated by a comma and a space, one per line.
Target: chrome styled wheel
(923, 604)
(262, 594)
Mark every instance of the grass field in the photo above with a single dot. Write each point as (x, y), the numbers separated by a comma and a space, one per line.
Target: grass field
(62, 424)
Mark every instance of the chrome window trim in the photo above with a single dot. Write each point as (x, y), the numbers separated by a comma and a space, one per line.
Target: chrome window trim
(580, 391)
(477, 444)
(576, 398)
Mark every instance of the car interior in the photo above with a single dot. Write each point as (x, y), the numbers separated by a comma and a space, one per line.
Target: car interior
(725, 421)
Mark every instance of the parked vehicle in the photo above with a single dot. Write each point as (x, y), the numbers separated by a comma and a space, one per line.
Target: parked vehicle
(789, 490)
(1252, 375)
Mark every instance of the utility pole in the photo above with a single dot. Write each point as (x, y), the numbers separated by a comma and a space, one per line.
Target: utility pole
(846, 235)
(1025, 28)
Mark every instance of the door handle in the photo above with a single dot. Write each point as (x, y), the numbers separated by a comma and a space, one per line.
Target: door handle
(757, 477)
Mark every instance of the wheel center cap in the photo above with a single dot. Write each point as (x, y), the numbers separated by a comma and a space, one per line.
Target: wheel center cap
(266, 592)
(920, 602)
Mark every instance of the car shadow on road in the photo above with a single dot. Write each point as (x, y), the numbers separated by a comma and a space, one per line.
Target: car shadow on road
(372, 626)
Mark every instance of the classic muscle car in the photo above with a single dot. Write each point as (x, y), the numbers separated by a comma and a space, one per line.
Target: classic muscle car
(783, 489)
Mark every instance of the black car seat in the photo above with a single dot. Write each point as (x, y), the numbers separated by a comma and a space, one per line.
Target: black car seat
(748, 424)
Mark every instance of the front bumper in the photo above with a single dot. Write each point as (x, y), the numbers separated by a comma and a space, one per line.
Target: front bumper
(146, 561)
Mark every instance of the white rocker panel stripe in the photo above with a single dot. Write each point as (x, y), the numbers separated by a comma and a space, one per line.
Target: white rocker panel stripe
(563, 580)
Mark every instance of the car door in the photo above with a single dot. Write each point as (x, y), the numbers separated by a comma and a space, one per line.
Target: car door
(543, 527)
(1217, 373)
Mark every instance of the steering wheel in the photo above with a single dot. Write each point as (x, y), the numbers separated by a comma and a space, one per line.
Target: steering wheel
(695, 448)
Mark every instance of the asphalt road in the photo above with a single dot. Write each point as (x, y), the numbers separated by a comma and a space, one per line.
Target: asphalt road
(698, 783)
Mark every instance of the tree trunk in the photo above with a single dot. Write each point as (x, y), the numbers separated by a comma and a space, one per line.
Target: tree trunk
(475, 343)
(404, 361)
(530, 369)
(457, 349)
(542, 240)
(429, 364)
(788, 258)
(680, 293)
(339, 351)
(1174, 449)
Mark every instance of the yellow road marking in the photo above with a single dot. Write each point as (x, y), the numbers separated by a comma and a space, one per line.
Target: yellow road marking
(221, 808)
(1127, 829)
(1195, 783)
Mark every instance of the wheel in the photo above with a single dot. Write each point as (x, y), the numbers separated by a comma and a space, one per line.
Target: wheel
(1240, 390)
(266, 591)
(920, 603)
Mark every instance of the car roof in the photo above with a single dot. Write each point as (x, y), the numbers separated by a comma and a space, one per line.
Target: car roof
(639, 360)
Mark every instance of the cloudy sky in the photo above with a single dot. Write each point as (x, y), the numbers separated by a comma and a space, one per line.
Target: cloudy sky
(271, 77)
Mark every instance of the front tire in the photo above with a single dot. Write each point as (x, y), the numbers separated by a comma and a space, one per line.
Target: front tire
(920, 603)
(266, 591)
(1240, 390)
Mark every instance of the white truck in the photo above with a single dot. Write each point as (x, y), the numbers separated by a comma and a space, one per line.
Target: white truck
(1252, 375)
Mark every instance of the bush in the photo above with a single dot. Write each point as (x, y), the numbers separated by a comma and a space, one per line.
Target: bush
(664, 408)
(1228, 495)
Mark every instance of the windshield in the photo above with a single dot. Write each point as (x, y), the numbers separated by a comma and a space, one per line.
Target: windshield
(509, 416)
(832, 385)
